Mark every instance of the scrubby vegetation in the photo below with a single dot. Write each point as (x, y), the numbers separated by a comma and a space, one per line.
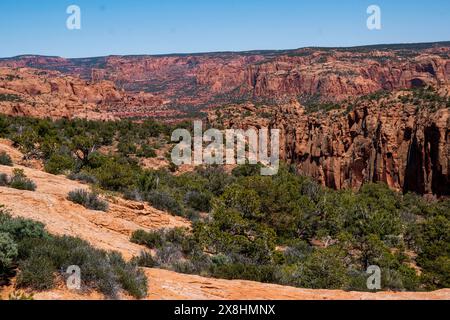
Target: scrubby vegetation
(39, 259)
(281, 229)
(89, 200)
(426, 98)
(18, 180)
(287, 229)
(10, 97)
(5, 159)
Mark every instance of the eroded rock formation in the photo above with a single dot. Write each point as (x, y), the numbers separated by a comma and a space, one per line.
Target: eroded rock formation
(212, 79)
(389, 140)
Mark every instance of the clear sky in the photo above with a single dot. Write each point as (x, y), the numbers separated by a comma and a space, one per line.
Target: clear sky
(184, 26)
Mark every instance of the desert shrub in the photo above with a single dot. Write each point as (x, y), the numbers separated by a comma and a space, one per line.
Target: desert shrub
(260, 273)
(107, 272)
(10, 97)
(5, 159)
(147, 181)
(434, 249)
(21, 182)
(126, 147)
(58, 163)
(130, 278)
(176, 250)
(4, 180)
(87, 199)
(145, 260)
(36, 273)
(324, 268)
(8, 251)
(297, 252)
(146, 152)
(192, 215)
(168, 255)
(247, 170)
(149, 239)
(114, 175)
(83, 176)
(164, 201)
(198, 201)
(217, 179)
(20, 228)
(133, 194)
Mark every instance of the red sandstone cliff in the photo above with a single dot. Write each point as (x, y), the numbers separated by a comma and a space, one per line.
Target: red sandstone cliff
(402, 139)
(45, 93)
(218, 78)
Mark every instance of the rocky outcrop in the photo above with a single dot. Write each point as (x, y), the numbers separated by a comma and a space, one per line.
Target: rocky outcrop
(212, 79)
(38, 93)
(406, 149)
(392, 140)
(108, 231)
(342, 75)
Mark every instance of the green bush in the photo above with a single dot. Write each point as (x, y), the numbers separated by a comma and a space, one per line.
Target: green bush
(115, 176)
(20, 229)
(59, 163)
(83, 177)
(260, 273)
(126, 147)
(21, 182)
(36, 273)
(130, 278)
(325, 268)
(147, 181)
(87, 199)
(42, 259)
(149, 239)
(5, 159)
(145, 260)
(198, 201)
(4, 180)
(8, 251)
(164, 201)
(146, 152)
(247, 170)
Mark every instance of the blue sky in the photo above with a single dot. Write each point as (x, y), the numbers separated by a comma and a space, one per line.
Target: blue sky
(184, 26)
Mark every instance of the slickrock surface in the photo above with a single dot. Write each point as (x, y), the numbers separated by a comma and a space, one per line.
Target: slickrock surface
(168, 285)
(109, 231)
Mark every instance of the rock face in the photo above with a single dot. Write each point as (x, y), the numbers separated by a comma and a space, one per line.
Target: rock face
(408, 150)
(389, 140)
(394, 141)
(39, 93)
(220, 78)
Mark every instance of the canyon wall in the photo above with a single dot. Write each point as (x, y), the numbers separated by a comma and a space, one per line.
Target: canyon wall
(406, 149)
(212, 79)
(404, 143)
